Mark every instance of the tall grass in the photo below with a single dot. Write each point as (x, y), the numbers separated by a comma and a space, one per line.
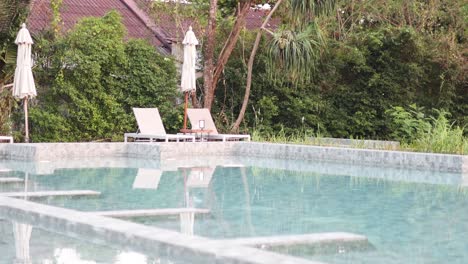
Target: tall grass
(431, 134)
(435, 133)
(301, 137)
(442, 137)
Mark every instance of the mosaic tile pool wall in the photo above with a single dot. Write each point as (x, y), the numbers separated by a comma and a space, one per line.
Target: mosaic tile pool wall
(413, 160)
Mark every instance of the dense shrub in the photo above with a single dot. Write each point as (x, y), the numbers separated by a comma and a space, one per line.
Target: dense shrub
(358, 81)
(89, 80)
(427, 133)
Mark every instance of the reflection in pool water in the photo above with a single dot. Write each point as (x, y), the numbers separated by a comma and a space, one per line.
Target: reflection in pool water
(23, 244)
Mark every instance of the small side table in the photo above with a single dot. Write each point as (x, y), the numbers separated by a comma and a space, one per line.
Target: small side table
(6, 138)
(197, 131)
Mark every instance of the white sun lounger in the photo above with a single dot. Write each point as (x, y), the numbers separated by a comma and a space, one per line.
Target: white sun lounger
(151, 128)
(196, 115)
(6, 138)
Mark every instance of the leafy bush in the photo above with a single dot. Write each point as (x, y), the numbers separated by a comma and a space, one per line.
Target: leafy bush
(6, 104)
(409, 125)
(428, 134)
(89, 80)
(442, 137)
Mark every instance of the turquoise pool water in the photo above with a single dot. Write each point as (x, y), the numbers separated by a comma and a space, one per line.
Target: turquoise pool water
(46, 247)
(421, 219)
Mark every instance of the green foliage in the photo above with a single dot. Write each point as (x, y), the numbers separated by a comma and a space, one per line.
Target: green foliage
(89, 80)
(375, 70)
(12, 14)
(428, 133)
(6, 105)
(295, 55)
(408, 125)
(304, 9)
(56, 17)
(280, 136)
(50, 126)
(442, 137)
(366, 70)
(267, 109)
(150, 79)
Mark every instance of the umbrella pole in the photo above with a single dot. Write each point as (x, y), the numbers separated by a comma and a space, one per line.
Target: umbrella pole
(185, 110)
(26, 127)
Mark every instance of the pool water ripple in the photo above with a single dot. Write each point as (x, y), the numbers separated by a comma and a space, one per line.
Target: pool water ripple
(405, 222)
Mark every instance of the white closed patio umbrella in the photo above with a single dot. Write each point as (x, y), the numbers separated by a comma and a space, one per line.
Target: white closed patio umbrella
(188, 82)
(23, 84)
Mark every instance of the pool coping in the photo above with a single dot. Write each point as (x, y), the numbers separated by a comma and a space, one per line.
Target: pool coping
(174, 150)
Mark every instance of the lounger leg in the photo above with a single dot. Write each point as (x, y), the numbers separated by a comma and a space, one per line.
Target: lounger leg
(125, 139)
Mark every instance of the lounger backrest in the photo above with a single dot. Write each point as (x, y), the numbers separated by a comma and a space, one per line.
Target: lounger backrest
(200, 177)
(149, 121)
(197, 114)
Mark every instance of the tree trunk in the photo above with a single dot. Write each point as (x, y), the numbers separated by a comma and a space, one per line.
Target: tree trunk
(209, 55)
(240, 117)
(195, 103)
(231, 42)
(229, 46)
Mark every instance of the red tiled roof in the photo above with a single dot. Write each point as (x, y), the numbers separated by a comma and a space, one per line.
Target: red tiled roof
(254, 20)
(166, 22)
(175, 31)
(159, 32)
(73, 10)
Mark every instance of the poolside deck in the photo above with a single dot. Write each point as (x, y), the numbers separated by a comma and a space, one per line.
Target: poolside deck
(50, 193)
(151, 212)
(296, 240)
(11, 180)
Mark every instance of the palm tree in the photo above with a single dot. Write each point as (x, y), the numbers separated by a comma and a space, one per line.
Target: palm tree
(295, 47)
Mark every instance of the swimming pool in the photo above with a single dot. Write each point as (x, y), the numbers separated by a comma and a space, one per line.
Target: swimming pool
(408, 216)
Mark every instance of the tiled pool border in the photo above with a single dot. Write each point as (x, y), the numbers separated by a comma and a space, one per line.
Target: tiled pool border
(386, 158)
(162, 151)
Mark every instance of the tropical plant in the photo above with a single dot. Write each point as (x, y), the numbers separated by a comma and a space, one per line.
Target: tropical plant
(428, 133)
(409, 125)
(207, 15)
(89, 80)
(293, 46)
(442, 137)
